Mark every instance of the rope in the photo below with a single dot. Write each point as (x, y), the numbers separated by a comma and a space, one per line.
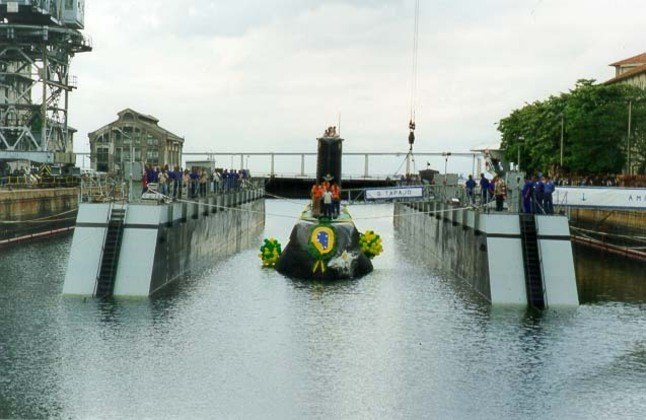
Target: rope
(612, 235)
(291, 216)
(221, 206)
(41, 219)
(419, 212)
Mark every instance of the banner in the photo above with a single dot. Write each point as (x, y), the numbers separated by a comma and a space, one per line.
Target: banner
(633, 198)
(394, 193)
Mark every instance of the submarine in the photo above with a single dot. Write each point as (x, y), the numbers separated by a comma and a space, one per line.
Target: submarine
(327, 245)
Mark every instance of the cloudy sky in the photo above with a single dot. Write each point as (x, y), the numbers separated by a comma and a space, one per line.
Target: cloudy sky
(270, 75)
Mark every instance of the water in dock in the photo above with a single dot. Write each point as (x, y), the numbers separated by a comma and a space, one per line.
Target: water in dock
(234, 340)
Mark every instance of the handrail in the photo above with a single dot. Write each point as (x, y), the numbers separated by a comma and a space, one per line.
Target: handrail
(105, 236)
(540, 264)
(32, 182)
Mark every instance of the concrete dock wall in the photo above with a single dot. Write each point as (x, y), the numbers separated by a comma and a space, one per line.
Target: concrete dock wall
(486, 250)
(431, 228)
(162, 242)
(624, 222)
(23, 212)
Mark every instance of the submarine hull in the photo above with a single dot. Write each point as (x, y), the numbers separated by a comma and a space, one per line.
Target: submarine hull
(323, 251)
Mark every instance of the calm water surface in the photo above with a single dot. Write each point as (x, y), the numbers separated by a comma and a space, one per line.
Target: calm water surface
(234, 340)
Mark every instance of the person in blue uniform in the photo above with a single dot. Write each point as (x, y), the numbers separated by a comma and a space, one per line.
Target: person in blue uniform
(538, 195)
(470, 187)
(548, 190)
(484, 188)
(527, 193)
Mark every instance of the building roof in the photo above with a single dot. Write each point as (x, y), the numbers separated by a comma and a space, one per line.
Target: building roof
(628, 74)
(638, 59)
(138, 114)
(143, 119)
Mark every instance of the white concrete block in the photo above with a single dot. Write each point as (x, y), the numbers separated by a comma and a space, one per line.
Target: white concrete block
(506, 271)
(136, 260)
(558, 272)
(503, 224)
(144, 215)
(552, 226)
(84, 261)
(93, 213)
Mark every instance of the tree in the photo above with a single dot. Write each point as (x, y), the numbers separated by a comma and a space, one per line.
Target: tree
(594, 119)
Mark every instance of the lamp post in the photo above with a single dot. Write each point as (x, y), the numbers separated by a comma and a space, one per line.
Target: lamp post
(132, 157)
(630, 109)
(520, 140)
(446, 162)
(562, 131)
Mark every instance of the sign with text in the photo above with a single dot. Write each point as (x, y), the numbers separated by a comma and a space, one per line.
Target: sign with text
(394, 193)
(601, 197)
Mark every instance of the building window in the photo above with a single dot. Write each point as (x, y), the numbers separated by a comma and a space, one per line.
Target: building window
(152, 157)
(102, 159)
(152, 140)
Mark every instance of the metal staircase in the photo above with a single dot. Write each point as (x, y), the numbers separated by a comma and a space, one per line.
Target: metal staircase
(110, 257)
(532, 263)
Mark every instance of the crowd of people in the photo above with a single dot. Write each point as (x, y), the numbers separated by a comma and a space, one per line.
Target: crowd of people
(193, 183)
(608, 180)
(326, 200)
(489, 190)
(537, 193)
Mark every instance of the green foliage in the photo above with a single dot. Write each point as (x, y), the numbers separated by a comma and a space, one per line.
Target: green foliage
(270, 252)
(370, 244)
(594, 118)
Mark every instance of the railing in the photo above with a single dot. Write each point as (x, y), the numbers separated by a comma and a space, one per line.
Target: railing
(38, 182)
(102, 189)
(265, 163)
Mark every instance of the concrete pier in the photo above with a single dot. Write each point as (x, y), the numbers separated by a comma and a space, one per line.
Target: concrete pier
(158, 243)
(487, 250)
(31, 213)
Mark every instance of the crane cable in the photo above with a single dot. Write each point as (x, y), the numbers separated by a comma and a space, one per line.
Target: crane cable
(413, 92)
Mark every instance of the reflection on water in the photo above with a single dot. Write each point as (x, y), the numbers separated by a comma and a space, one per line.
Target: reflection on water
(236, 340)
(602, 276)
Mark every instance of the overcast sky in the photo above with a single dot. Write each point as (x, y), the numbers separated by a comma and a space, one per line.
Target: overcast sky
(270, 75)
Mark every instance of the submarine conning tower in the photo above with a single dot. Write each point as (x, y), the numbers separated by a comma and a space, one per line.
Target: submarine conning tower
(330, 153)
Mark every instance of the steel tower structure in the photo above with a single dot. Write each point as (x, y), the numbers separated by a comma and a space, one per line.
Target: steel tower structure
(38, 39)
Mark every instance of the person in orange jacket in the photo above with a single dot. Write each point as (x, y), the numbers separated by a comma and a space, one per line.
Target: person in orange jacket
(336, 199)
(317, 194)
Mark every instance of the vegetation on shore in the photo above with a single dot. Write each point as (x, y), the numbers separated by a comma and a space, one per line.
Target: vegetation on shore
(592, 119)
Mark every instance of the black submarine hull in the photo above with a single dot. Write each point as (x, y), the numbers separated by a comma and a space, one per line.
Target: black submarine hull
(320, 250)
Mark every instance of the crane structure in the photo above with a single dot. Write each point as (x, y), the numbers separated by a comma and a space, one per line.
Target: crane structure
(38, 39)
